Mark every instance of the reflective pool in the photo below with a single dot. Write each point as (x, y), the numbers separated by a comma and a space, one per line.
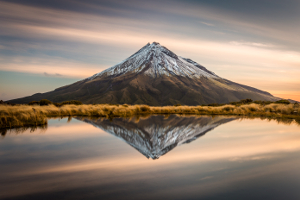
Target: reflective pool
(154, 157)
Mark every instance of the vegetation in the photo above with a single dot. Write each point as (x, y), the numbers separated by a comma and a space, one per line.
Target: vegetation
(34, 115)
(45, 102)
(73, 102)
(283, 101)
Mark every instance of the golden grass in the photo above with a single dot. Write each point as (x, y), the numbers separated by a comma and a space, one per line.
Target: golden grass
(34, 115)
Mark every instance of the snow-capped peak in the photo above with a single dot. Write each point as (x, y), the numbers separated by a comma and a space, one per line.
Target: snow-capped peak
(155, 60)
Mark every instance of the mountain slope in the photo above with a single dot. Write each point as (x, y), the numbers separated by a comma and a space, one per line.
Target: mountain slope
(155, 76)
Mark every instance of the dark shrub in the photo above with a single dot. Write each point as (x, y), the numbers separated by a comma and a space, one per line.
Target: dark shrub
(235, 103)
(177, 105)
(145, 108)
(73, 102)
(263, 102)
(228, 109)
(45, 102)
(283, 101)
(215, 104)
(34, 103)
(245, 101)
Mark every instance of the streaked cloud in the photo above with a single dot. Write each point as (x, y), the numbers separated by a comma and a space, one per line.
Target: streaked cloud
(208, 24)
(55, 74)
(255, 44)
(88, 37)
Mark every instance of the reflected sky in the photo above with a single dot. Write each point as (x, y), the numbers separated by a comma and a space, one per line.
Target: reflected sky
(239, 159)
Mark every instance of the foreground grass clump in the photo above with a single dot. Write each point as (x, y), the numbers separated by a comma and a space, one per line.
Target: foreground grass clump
(24, 115)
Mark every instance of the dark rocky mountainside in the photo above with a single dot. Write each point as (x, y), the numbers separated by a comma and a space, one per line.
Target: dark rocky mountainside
(155, 136)
(155, 76)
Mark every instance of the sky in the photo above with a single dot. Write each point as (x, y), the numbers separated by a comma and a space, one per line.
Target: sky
(48, 44)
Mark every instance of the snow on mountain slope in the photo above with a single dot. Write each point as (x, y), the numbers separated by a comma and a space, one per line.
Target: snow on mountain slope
(155, 76)
(155, 60)
(155, 136)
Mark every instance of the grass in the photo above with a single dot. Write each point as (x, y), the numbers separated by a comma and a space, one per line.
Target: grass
(36, 115)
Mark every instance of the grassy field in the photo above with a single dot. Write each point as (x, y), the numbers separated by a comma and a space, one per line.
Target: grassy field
(36, 115)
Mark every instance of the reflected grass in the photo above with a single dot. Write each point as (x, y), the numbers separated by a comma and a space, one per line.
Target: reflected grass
(20, 130)
(35, 115)
(137, 118)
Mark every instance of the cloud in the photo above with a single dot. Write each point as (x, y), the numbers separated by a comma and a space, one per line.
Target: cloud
(254, 44)
(63, 67)
(52, 75)
(87, 38)
(208, 24)
(152, 18)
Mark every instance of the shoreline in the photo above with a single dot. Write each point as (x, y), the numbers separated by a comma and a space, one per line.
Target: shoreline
(35, 115)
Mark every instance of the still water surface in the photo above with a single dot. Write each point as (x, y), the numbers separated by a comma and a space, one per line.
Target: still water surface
(153, 157)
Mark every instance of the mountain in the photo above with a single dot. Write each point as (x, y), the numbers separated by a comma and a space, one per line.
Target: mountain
(155, 76)
(155, 136)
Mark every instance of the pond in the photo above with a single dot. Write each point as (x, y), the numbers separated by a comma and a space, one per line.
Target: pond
(152, 157)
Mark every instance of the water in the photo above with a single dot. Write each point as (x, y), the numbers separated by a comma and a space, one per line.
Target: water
(159, 157)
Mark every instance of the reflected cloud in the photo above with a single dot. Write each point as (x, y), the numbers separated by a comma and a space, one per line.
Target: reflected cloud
(235, 153)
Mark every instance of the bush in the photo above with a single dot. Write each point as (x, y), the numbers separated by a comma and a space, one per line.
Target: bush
(45, 102)
(235, 103)
(283, 101)
(263, 102)
(227, 108)
(73, 102)
(34, 103)
(145, 108)
(246, 101)
(215, 104)
(177, 105)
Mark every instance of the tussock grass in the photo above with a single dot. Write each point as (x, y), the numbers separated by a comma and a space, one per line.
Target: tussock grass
(34, 115)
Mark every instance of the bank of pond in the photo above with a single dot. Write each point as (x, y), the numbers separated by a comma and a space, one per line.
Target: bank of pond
(36, 115)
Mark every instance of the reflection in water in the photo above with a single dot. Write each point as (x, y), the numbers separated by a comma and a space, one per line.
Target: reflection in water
(240, 159)
(154, 136)
(23, 129)
(92, 120)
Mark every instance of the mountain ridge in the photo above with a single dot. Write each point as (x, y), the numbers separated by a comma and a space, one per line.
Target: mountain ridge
(156, 76)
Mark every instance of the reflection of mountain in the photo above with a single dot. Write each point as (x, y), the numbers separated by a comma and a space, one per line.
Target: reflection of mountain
(157, 135)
